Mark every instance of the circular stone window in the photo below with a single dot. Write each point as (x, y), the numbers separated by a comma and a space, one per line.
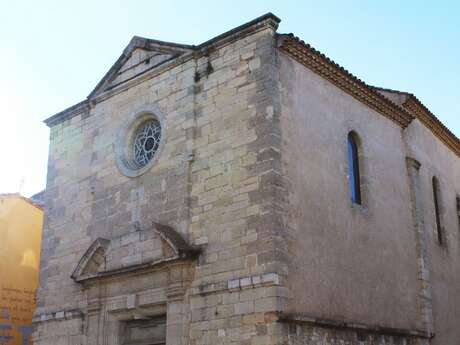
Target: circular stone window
(138, 144)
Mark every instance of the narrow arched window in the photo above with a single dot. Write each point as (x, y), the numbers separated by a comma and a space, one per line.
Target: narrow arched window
(436, 200)
(353, 169)
(458, 211)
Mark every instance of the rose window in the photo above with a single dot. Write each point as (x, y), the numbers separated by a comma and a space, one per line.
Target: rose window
(146, 142)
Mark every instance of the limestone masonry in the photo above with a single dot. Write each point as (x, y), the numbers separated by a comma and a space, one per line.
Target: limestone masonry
(236, 225)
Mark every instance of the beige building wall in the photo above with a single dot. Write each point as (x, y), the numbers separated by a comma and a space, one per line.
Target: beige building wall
(351, 262)
(362, 262)
(20, 236)
(436, 159)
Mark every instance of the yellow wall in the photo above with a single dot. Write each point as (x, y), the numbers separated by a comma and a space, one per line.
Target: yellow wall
(20, 236)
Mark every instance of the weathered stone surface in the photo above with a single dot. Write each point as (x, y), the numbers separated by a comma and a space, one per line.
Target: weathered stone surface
(250, 183)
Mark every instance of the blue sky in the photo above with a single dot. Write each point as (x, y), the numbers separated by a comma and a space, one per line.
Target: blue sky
(53, 53)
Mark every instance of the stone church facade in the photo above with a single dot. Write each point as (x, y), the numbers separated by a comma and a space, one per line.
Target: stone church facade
(248, 190)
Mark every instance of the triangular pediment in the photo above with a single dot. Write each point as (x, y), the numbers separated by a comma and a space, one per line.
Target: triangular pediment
(135, 250)
(90, 263)
(141, 55)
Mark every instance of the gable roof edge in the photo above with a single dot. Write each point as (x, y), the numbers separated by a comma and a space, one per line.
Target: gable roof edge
(137, 42)
(429, 120)
(268, 19)
(68, 113)
(412, 104)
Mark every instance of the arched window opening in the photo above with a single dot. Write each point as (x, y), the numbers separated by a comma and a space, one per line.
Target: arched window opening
(353, 169)
(458, 211)
(436, 199)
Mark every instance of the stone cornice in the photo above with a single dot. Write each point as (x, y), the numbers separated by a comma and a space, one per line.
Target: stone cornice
(139, 269)
(139, 43)
(237, 284)
(419, 111)
(326, 68)
(91, 265)
(140, 78)
(59, 315)
(255, 25)
(77, 109)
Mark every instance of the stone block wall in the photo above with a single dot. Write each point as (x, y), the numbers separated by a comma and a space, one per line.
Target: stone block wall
(311, 335)
(215, 181)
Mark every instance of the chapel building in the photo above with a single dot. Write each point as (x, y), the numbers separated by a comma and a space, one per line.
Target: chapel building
(248, 191)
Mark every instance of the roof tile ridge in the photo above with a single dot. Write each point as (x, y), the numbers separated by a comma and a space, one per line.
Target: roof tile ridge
(406, 117)
(431, 121)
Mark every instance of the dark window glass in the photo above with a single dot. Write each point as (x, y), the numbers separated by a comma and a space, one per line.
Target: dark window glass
(458, 211)
(149, 331)
(353, 169)
(436, 209)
